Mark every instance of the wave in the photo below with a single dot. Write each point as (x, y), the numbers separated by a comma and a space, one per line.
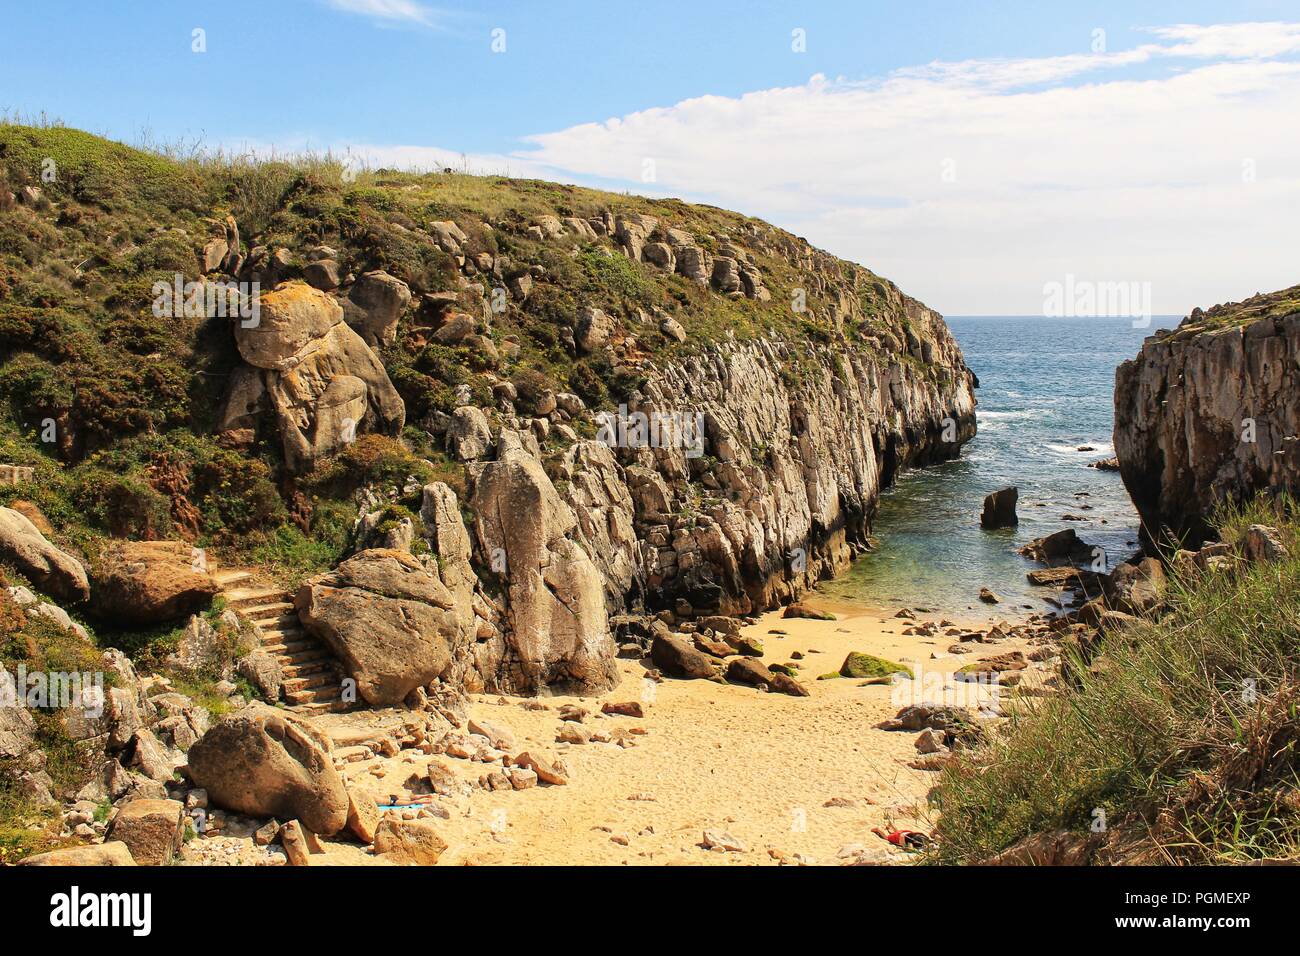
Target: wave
(1019, 414)
(1097, 449)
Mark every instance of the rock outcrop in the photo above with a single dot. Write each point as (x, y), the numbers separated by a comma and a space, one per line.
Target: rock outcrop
(375, 304)
(389, 618)
(267, 763)
(312, 374)
(151, 829)
(1211, 413)
(50, 569)
(558, 634)
(150, 582)
(1000, 509)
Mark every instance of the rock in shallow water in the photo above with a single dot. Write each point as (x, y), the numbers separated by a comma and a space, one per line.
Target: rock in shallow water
(1000, 509)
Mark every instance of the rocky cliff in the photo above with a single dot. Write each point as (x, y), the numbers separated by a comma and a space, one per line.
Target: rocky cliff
(564, 404)
(785, 488)
(1210, 412)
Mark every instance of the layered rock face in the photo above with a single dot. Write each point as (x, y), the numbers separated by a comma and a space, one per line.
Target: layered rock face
(1211, 413)
(782, 488)
(777, 491)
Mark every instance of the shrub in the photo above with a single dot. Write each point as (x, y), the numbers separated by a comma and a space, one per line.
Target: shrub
(125, 505)
(370, 460)
(235, 494)
(1183, 731)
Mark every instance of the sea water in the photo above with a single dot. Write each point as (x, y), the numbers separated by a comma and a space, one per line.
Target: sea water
(1044, 416)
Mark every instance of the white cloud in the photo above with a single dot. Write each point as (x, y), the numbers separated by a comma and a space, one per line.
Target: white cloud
(1120, 178)
(389, 11)
(1175, 163)
(1240, 40)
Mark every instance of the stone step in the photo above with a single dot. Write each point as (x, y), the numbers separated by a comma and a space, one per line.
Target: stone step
(281, 635)
(315, 695)
(284, 621)
(264, 612)
(310, 650)
(324, 707)
(228, 578)
(289, 648)
(242, 597)
(312, 681)
(305, 668)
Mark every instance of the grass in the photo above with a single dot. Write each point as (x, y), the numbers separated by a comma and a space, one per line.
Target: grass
(1183, 731)
(1232, 314)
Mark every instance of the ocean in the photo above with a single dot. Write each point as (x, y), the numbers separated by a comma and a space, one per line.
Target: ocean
(1044, 415)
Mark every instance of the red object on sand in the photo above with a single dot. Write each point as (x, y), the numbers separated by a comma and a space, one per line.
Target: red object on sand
(907, 839)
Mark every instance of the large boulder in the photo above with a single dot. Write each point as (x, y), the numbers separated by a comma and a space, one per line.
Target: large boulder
(314, 375)
(659, 254)
(1061, 546)
(441, 516)
(558, 628)
(1138, 587)
(694, 263)
(17, 725)
(746, 670)
(390, 620)
(150, 582)
(263, 670)
(292, 323)
(374, 306)
(363, 817)
(469, 436)
(203, 649)
(268, 763)
(409, 842)
(451, 545)
(51, 570)
(593, 329)
(1262, 542)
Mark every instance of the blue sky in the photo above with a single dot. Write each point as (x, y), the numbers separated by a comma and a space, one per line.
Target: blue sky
(1054, 168)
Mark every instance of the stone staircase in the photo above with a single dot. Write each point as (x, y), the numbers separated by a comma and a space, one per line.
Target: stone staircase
(312, 675)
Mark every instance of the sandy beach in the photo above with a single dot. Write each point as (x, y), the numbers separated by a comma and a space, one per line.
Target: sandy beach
(792, 779)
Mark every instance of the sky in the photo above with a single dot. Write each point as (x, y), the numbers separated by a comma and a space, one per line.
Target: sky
(977, 154)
